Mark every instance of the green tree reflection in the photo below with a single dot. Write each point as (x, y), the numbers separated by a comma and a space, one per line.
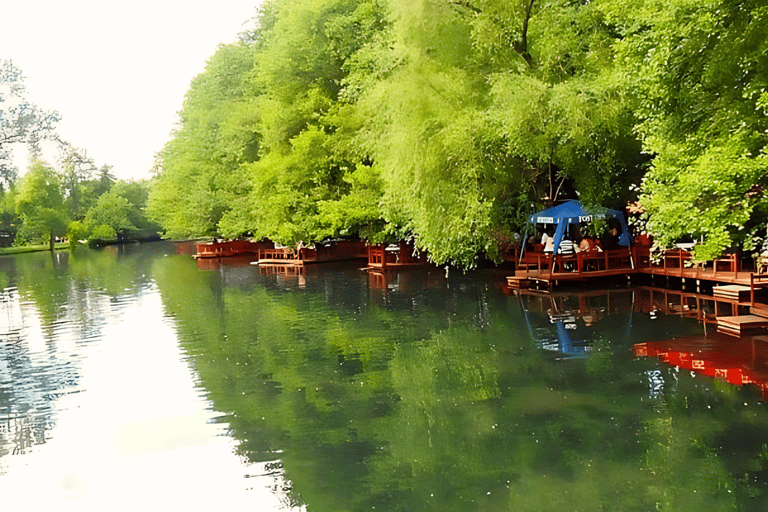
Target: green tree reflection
(370, 406)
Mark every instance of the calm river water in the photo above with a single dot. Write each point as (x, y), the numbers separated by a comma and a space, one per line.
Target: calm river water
(139, 379)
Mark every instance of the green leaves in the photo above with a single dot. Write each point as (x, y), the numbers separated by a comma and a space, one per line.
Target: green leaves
(40, 203)
(200, 167)
(462, 114)
(699, 73)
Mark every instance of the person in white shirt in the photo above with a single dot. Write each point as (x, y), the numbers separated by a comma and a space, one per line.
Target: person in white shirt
(566, 246)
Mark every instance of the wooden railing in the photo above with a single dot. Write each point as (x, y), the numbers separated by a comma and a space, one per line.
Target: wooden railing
(287, 253)
(732, 262)
(401, 255)
(580, 262)
(678, 260)
(377, 256)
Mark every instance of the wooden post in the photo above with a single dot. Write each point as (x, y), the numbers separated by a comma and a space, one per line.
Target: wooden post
(383, 257)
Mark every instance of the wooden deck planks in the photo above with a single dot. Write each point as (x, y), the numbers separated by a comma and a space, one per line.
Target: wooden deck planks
(738, 325)
(733, 291)
(731, 285)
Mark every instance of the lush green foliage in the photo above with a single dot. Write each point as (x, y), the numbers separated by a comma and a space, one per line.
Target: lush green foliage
(39, 203)
(442, 122)
(201, 166)
(699, 73)
(73, 195)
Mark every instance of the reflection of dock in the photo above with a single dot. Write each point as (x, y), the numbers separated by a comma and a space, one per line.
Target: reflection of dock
(731, 314)
(737, 362)
(238, 260)
(743, 290)
(271, 269)
(400, 280)
(570, 316)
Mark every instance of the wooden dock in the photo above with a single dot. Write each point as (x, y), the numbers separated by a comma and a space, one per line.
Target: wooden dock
(742, 289)
(326, 252)
(741, 324)
(394, 256)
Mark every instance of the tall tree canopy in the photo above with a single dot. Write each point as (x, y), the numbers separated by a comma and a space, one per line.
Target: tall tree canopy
(699, 73)
(21, 121)
(40, 203)
(443, 121)
(200, 176)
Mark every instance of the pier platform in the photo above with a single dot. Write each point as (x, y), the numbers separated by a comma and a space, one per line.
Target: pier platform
(744, 289)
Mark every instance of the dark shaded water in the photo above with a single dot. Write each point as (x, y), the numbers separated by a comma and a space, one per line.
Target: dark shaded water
(136, 378)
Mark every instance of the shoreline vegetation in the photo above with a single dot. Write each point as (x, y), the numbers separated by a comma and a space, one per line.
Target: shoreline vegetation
(4, 251)
(441, 124)
(447, 123)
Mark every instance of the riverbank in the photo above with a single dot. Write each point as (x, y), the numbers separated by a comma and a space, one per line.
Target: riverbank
(32, 248)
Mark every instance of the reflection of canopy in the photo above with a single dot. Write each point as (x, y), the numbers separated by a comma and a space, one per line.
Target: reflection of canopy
(571, 212)
(565, 344)
(566, 320)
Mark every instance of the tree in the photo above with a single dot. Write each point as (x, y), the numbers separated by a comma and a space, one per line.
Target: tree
(105, 179)
(199, 168)
(109, 218)
(117, 213)
(78, 168)
(40, 204)
(489, 106)
(21, 122)
(699, 73)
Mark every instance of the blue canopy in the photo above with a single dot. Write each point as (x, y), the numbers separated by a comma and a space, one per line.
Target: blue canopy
(572, 212)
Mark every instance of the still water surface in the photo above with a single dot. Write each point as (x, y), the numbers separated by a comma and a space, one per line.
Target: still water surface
(138, 377)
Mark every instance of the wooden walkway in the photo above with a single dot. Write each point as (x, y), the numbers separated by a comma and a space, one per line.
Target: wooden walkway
(394, 256)
(745, 290)
(329, 252)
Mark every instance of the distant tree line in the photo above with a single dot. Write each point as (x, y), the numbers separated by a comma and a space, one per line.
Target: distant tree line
(71, 197)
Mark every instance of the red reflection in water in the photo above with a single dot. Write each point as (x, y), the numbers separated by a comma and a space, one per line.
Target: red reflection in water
(739, 362)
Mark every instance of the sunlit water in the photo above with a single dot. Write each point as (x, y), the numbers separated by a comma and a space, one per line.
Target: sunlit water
(100, 409)
(139, 379)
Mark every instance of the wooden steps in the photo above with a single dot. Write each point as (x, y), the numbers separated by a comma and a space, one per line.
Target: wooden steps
(733, 292)
(738, 325)
(517, 283)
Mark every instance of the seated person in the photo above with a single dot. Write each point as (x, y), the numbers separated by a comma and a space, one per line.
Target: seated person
(598, 245)
(585, 245)
(612, 239)
(548, 240)
(566, 247)
(644, 239)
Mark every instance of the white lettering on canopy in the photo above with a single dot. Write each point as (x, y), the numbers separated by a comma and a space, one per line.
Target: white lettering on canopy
(585, 218)
(545, 220)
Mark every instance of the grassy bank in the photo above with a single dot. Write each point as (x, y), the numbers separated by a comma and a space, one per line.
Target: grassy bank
(31, 248)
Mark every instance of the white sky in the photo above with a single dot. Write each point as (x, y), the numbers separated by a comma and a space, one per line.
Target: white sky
(116, 71)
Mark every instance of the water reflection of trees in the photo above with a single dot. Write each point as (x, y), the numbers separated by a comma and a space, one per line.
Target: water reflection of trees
(370, 401)
(51, 307)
